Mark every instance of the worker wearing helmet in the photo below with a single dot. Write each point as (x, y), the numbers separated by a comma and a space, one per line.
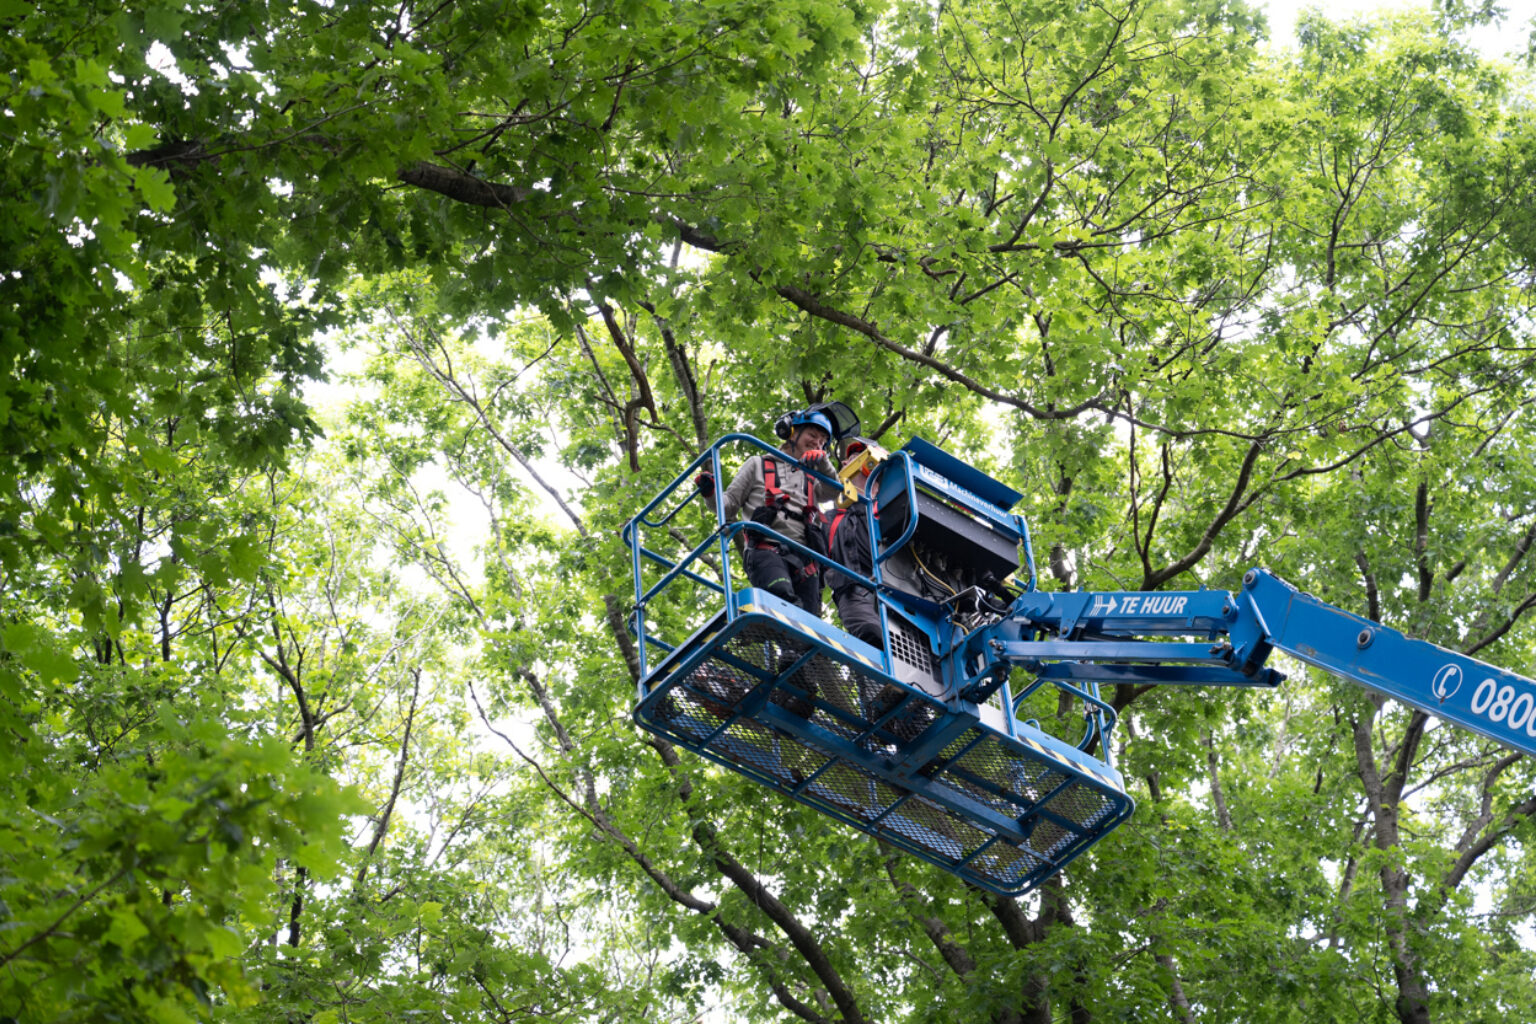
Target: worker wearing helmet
(850, 546)
(780, 494)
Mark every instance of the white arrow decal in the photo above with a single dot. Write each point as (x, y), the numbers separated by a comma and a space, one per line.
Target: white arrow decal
(1103, 605)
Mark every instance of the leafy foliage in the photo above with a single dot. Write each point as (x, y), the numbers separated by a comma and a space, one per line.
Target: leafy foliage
(339, 730)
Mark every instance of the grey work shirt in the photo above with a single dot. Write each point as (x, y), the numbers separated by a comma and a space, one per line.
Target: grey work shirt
(748, 492)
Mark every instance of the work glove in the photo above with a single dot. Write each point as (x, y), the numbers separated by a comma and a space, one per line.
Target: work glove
(814, 457)
(705, 482)
(766, 514)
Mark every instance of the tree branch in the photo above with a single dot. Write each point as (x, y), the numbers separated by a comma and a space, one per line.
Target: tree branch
(396, 783)
(937, 931)
(807, 302)
(462, 187)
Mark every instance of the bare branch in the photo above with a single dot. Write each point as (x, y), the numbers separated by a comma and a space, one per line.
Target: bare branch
(810, 304)
(395, 784)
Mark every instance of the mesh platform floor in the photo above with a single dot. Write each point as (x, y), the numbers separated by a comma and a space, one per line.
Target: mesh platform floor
(814, 722)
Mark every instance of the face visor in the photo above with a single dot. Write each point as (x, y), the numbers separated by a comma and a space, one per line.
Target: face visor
(860, 456)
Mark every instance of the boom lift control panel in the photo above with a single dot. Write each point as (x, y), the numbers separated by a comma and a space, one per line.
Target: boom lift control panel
(920, 741)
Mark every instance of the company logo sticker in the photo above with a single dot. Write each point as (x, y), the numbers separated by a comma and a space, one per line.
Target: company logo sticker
(1447, 682)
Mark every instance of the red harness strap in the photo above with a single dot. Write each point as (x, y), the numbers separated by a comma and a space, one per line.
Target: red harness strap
(777, 496)
(771, 481)
(812, 516)
(837, 520)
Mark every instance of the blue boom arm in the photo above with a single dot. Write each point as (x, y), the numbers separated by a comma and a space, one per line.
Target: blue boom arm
(1102, 637)
(1461, 690)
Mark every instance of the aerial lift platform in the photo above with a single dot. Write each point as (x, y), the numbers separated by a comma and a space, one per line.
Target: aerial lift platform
(921, 743)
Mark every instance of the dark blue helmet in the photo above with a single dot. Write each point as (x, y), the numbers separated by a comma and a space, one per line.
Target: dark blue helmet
(806, 418)
(835, 418)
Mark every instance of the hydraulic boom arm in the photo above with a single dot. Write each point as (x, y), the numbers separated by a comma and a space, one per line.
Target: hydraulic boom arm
(1102, 637)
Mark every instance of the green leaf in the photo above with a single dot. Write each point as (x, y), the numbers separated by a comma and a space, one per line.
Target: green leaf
(155, 186)
(126, 928)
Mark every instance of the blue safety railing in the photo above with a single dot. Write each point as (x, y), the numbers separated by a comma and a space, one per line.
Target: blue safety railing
(663, 512)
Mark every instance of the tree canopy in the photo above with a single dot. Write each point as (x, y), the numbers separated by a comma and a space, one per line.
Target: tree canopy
(340, 339)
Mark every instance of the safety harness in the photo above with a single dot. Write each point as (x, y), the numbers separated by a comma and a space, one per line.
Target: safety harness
(837, 520)
(811, 516)
(778, 498)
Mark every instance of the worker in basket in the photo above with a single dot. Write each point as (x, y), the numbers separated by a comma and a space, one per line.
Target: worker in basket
(778, 492)
(849, 545)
